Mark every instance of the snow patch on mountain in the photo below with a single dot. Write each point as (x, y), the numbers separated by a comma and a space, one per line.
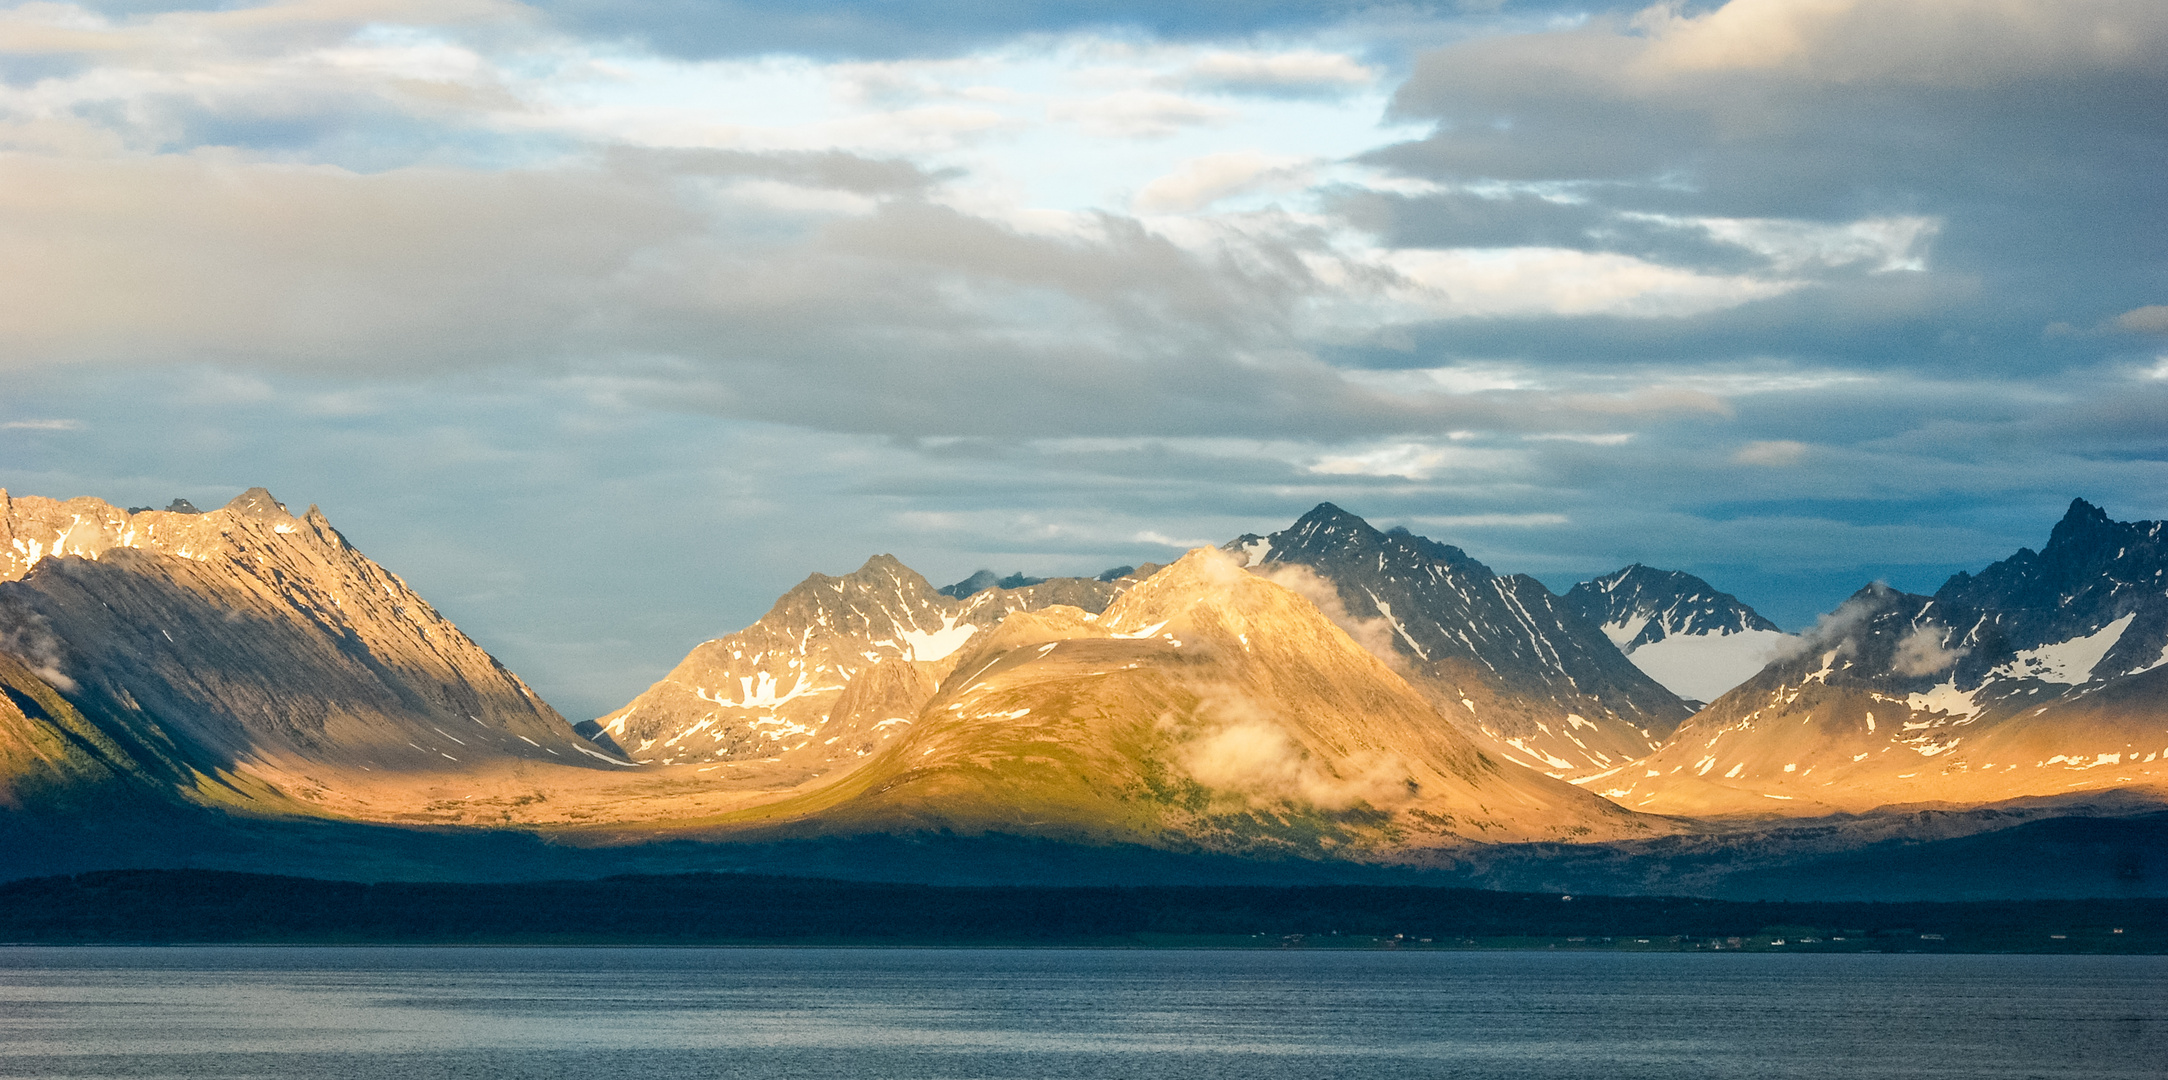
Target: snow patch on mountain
(2070, 662)
(1679, 630)
(938, 644)
(1945, 698)
(1702, 667)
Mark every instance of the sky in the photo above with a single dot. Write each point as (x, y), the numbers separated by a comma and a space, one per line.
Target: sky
(604, 322)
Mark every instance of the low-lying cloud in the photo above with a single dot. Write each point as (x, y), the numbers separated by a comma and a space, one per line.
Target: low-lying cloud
(1925, 651)
(1375, 634)
(26, 636)
(1234, 745)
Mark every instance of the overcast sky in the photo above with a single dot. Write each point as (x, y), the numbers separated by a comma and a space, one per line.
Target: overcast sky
(603, 322)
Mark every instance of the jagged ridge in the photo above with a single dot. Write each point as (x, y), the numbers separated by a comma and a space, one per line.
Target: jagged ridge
(1515, 667)
(1696, 641)
(249, 643)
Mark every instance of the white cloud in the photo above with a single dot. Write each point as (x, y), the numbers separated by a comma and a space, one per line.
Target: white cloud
(1304, 70)
(1200, 182)
(1772, 453)
(2150, 319)
(1138, 114)
(1615, 438)
(1933, 42)
(1526, 281)
(1924, 652)
(1881, 244)
(1419, 461)
(1160, 539)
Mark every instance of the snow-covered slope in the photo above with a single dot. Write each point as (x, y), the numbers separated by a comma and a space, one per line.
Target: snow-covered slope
(2043, 674)
(1519, 670)
(1679, 629)
(1703, 667)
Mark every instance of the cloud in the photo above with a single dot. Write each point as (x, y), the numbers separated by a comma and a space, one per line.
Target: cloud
(1235, 745)
(1842, 146)
(1374, 634)
(1943, 43)
(1138, 114)
(1409, 460)
(1200, 182)
(1300, 73)
(2150, 319)
(1464, 282)
(42, 425)
(25, 635)
(1610, 439)
(452, 242)
(1771, 453)
(673, 280)
(879, 29)
(1159, 539)
(1923, 652)
(1838, 629)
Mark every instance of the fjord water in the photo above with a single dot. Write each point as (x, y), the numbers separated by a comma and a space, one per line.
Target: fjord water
(598, 1014)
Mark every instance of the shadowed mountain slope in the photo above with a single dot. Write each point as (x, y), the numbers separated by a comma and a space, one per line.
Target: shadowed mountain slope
(1516, 668)
(249, 649)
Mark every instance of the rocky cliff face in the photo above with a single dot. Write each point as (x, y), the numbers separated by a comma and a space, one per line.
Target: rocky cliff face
(2041, 675)
(1205, 708)
(1516, 668)
(1679, 629)
(248, 642)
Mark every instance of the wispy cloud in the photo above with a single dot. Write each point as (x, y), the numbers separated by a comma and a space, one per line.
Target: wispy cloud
(1059, 287)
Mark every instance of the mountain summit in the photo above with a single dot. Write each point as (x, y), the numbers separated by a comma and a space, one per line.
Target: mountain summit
(1517, 668)
(1206, 708)
(2045, 673)
(1679, 629)
(250, 652)
(828, 675)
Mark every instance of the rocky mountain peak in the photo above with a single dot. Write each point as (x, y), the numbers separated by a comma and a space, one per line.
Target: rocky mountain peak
(976, 583)
(1640, 605)
(2082, 521)
(780, 688)
(1682, 631)
(258, 504)
(242, 641)
(1502, 655)
(1326, 517)
(1329, 532)
(2042, 673)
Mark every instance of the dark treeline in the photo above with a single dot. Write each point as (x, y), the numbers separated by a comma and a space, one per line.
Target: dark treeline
(173, 906)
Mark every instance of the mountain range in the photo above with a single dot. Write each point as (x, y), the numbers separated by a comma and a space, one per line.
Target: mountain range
(2043, 673)
(1329, 693)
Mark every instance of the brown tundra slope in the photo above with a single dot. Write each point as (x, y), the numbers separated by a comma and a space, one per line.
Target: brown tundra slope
(827, 676)
(1205, 708)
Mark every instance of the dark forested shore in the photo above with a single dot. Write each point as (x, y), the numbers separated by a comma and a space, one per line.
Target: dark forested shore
(203, 906)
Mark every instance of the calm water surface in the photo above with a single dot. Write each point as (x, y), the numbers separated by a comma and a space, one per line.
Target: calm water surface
(597, 1014)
